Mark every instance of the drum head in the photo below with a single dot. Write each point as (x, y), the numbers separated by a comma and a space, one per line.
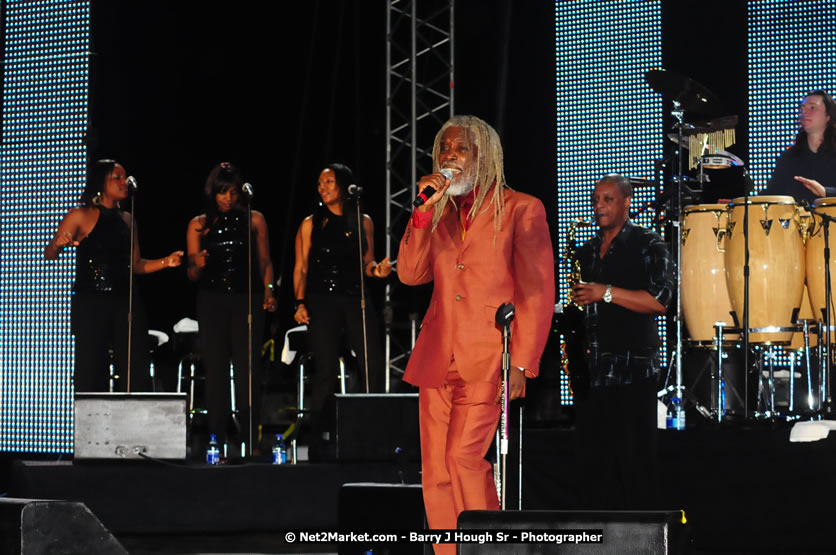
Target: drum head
(826, 201)
(764, 199)
(696, 208)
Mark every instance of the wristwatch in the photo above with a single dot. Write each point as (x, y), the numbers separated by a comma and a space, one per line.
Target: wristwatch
(608, 294)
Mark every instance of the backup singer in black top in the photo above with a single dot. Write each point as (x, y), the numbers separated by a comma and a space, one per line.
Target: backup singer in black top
(327, 285)
(217, 252)
(101, 232)
(629, 280)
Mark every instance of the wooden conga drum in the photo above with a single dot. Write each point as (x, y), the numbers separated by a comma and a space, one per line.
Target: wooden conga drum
(705, 297)
(776, 264)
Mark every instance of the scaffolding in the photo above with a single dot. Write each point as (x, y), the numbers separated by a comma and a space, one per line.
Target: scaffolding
(419, 98)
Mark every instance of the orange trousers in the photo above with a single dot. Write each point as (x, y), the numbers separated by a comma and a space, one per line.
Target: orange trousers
(457, 424)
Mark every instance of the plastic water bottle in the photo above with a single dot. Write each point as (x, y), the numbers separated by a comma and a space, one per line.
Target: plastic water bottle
(213, 452)
(279, 450)
(680, 417)
(675, 419)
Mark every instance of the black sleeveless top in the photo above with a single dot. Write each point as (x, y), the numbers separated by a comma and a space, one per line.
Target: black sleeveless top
(333, 263)
(103, 258)
(226, 263)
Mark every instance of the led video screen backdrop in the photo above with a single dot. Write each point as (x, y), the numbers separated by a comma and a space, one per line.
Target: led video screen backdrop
(608, 119)
(42, 161)
(792, 51)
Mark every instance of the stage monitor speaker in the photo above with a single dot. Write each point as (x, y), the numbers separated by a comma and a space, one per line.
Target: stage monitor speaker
(31, 527)
(377, 506)
(123, 425)
(377, 427)
(652, 532)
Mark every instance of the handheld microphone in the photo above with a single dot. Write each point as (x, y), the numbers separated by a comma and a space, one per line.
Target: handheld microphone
(247, 189)
(355, 190)
(132, 184)
(428, 191)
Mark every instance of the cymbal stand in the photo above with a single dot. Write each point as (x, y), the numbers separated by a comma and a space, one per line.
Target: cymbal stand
(824, 383)
(678, 113)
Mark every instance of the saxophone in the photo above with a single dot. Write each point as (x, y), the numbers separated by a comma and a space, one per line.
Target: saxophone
(570, 323)
(575, 270)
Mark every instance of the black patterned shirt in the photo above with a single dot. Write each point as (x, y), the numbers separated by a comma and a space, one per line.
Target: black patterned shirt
(623, 345)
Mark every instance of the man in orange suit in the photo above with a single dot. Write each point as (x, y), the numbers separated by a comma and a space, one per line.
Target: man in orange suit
(482, 244)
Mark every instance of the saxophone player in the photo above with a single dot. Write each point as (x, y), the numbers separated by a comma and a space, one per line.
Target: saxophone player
(629, 280)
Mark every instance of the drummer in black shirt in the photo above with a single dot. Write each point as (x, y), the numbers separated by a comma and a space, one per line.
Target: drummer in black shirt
(629, 280)
(807, 170)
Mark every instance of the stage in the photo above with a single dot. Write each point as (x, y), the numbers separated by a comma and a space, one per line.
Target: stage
(743, 489)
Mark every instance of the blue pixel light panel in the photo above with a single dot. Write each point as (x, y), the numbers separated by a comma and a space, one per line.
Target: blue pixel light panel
(608, 118)
(42, 165)
(792, 51)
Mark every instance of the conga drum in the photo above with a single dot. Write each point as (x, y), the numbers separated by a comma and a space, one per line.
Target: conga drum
(815, 260)
(705, 297)
(776, 264)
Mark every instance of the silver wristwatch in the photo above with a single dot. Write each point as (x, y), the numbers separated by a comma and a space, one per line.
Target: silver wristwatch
(608, 294)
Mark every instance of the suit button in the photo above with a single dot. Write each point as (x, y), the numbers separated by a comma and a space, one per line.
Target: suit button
(460, 266)
(458, 297)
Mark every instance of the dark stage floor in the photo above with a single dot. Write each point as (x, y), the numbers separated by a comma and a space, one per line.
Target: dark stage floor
(744, 490)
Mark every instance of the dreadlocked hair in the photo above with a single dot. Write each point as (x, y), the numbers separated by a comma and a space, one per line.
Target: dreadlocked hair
(490, 169)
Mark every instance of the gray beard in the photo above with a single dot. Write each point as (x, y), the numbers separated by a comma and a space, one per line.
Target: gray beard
(462, 186)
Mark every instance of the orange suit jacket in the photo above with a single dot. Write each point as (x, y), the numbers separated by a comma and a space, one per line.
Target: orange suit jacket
(472, 278)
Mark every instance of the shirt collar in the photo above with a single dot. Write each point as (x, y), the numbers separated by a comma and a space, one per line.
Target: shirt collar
(625, 230)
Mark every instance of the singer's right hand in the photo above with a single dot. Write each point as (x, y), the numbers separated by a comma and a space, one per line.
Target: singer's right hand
(437, 182)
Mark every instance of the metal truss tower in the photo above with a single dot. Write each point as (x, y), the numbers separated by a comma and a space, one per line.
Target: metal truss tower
(419, 98)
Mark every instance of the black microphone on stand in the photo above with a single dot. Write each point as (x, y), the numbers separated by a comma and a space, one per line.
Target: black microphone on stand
(504, 314)
(428, 191)
(355, 190)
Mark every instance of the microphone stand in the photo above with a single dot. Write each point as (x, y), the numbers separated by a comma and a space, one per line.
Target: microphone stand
(248, 193)
(132, 190)
(356, 192)
(824, 386)
(504, 316)
(746, 298)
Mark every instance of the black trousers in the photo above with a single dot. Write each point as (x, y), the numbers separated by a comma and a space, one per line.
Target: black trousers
(331, 317)
(222, 320)
(616, 447)
(99, 323)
